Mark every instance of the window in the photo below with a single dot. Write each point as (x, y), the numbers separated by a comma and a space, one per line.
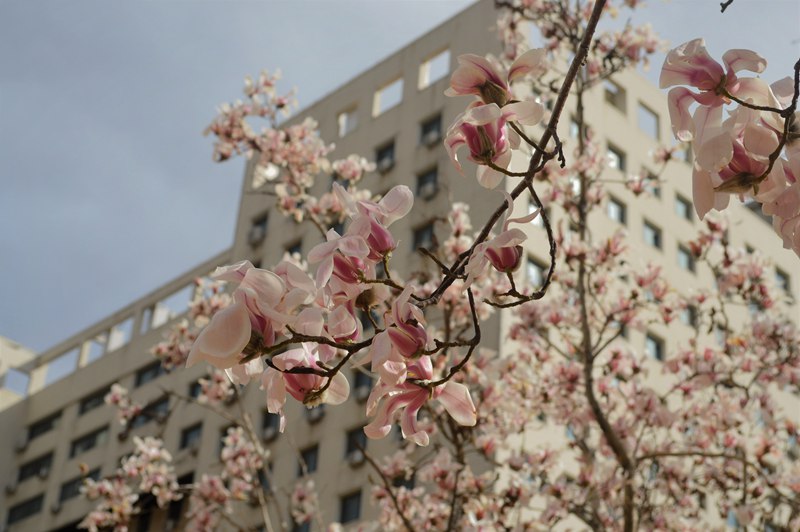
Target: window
(263, 479)
(685, 259)
(154, 411)
(689, 316)
(195, 389)
(88, 441)
(434, 69)
(314, 415)
(423, 237)
(270, 425)
(535, 272)
(258, 230)
(683, 207)
(574, 129)
(387, 97)
(430, 131)
(648, 121)
(44, 425)
(652, 235)
(384, 157)
(149, 373)
(614, 95)
(654, 346)
(355, 443)
(305, 526)
(616, 158)
(190, 436)
(175, 508)
(347, 121)
(616, 210)
(428, 183)
(783, 281)
(652, 183)
(25, 509)
(38, 466)
(295, 248)
(362, 385)
(350, 507)
(95, 400)
(72, 488)
(308, 460)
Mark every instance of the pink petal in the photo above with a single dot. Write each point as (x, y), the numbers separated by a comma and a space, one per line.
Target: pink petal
(702, 191)
(233, 272)
(396, 204)
(339, 390)
(457, 401)
(528, 113)
(740, 59)
(531, 62)
(222, 341)
(488, 177)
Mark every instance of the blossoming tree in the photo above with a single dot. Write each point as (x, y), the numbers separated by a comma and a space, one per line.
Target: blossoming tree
(701, 439)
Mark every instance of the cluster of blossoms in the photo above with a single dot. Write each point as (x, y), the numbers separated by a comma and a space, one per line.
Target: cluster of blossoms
(150, 466)
(126, 409)
(753, 152)
(484, 127)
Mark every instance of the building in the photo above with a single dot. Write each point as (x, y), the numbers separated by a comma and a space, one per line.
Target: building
(396, 113)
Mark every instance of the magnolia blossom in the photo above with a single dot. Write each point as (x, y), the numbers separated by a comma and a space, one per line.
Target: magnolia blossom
(308, 388)
(690, 64)
(409, 398)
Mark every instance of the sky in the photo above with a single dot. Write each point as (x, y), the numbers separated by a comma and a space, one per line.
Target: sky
(107, 187)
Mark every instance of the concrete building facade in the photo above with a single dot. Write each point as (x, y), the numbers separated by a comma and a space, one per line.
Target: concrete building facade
(394, 113)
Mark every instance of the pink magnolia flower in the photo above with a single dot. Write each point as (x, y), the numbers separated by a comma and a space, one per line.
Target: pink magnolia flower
(503, 252)
(409, 398)
(304, 387)
(690, 64)
(485, 78)
(482, 128)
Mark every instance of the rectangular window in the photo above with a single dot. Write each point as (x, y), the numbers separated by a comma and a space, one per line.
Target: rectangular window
(430, 131)
(433, 69)
(428, 183)
(308, 460)
(423, 237)
(148, 373)
(387, 97)
(362, 385)
(384, 157)
(347, 121)
(355, 443)
(350, 507)
(614, 95)
(535, 272)
(44, 425)
(783, 281)
(689, 316)
(654, 347)
(616, 158)
(72, 488)
(685, 259)
(156, 411)
(258, 230)
(683, 207)
(652, 235)
(38, 466)
(88, 441)
(25, 509)
(190, 436)
(295, 248)
(195, 389)
(92, 401)
(270, 425)
(648, 121)
(616, 210)
(315, 415)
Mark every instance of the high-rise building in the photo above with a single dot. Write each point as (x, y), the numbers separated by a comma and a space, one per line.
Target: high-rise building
(394, 113)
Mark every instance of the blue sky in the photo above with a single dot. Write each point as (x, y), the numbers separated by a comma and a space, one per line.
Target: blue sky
(108, 188)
